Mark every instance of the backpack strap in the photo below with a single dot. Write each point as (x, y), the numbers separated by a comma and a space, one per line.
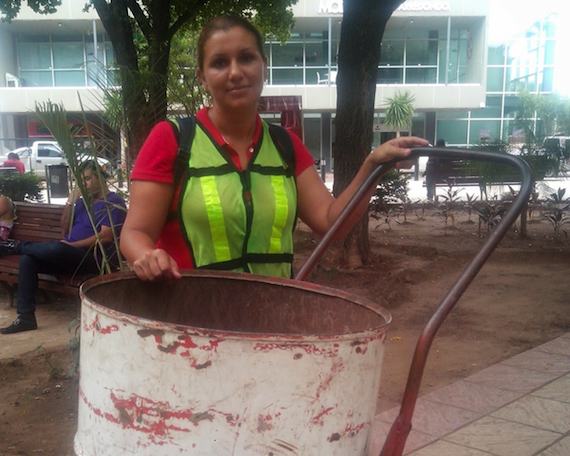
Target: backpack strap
(184, 129)
(284, 144)
(184, 132)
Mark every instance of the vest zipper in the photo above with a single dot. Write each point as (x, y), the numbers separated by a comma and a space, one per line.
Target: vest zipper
(245, 178)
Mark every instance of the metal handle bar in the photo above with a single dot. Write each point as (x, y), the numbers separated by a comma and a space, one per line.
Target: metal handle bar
(396, 439)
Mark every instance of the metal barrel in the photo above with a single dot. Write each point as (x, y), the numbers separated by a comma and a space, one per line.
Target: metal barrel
(226, 364)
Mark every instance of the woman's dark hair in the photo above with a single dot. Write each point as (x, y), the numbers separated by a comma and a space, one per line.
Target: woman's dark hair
(13, 156)
(225, 23)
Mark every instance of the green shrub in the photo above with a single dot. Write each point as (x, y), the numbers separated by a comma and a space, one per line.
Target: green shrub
(19, 186)
(392, 189)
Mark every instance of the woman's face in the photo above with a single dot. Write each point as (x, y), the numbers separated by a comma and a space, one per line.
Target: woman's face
(234, 70)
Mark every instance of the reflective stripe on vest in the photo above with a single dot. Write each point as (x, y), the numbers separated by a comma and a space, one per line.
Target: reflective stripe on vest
(240, 221)
(215, 218)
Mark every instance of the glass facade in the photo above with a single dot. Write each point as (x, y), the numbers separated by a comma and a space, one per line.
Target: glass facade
(303, 59)
(526, 63)
(423, 50)
(64, 61)
(415, 56)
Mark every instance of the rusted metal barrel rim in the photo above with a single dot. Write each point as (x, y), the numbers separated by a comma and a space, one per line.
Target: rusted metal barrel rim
(308, 287)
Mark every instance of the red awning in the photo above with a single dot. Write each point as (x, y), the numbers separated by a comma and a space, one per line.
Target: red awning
(280, 103)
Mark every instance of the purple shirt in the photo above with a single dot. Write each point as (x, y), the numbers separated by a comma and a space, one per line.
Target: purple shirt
(82, 229)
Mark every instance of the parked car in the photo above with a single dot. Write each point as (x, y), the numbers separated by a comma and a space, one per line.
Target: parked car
(46, 153)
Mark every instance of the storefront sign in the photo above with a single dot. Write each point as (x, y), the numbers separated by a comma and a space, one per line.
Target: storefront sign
(335, 6)
(412, 5)
(330, 6)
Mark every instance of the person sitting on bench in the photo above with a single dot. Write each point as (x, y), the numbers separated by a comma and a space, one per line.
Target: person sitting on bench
(77, 252)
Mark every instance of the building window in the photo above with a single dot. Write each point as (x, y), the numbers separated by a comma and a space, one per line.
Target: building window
(390, 75)
(288, 54)
(392, 52)
(484, 131)
(303, 60)
(495, 79)
(549, 48)
(453, 131)
(496, 55)
(47, 61)
(421, 75)
(286, 76)
(512, 105)
(459, 56)
(421, 52)
(492, 110)
(547, 80)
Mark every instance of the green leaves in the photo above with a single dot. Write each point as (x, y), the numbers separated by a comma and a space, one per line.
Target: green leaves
(54, 117)
(553, 110)
(400, 110)
(19, 186)
(9, 9)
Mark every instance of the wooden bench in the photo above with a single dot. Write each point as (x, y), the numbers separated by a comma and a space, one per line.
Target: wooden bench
(37, 222)
(453, 172)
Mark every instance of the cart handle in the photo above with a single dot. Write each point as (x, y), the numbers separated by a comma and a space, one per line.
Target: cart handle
(396, 439)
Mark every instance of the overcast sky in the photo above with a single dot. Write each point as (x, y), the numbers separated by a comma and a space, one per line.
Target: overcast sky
(511, 16)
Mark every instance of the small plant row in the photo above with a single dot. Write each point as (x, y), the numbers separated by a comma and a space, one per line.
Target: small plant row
(391, 203)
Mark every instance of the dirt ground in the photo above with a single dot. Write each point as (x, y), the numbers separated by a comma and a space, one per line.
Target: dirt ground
(520, 299)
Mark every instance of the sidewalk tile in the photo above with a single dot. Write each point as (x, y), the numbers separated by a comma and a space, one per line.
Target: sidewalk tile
(561, 448)
(538, 412)
(379, 430)
(558, 390)
(434, 418)
(541, 361)
(472, 396)
(560, 345)
(443, 448)
(511, 378)
(503, 438)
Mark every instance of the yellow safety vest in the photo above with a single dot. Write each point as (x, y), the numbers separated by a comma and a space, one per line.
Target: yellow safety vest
(239, 220)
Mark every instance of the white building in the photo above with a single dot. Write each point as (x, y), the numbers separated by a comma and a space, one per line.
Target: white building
(435, 49)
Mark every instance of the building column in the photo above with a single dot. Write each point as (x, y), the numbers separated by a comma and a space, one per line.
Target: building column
(326, 152)
(430, 126)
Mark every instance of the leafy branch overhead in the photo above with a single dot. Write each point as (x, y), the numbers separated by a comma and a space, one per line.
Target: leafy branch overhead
(9, 9)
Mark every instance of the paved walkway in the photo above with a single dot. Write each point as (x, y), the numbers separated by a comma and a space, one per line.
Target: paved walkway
(518, 407)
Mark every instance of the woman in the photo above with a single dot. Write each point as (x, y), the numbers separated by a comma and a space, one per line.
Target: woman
(236, 207)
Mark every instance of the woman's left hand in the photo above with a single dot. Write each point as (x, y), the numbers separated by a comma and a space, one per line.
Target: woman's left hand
(396, 148)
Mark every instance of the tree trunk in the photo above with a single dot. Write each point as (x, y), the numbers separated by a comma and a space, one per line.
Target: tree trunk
(115, 19)
(144, 96)
(363, 25)
(159, 55)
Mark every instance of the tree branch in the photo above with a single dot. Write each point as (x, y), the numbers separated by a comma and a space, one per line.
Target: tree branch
(184, 18)
(103, 10)
(140, 17)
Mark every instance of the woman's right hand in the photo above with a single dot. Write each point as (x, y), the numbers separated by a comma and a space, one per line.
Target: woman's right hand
(156, 264)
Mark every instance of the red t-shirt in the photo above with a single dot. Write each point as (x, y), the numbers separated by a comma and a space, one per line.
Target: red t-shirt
(19, 165)
(155, 163)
